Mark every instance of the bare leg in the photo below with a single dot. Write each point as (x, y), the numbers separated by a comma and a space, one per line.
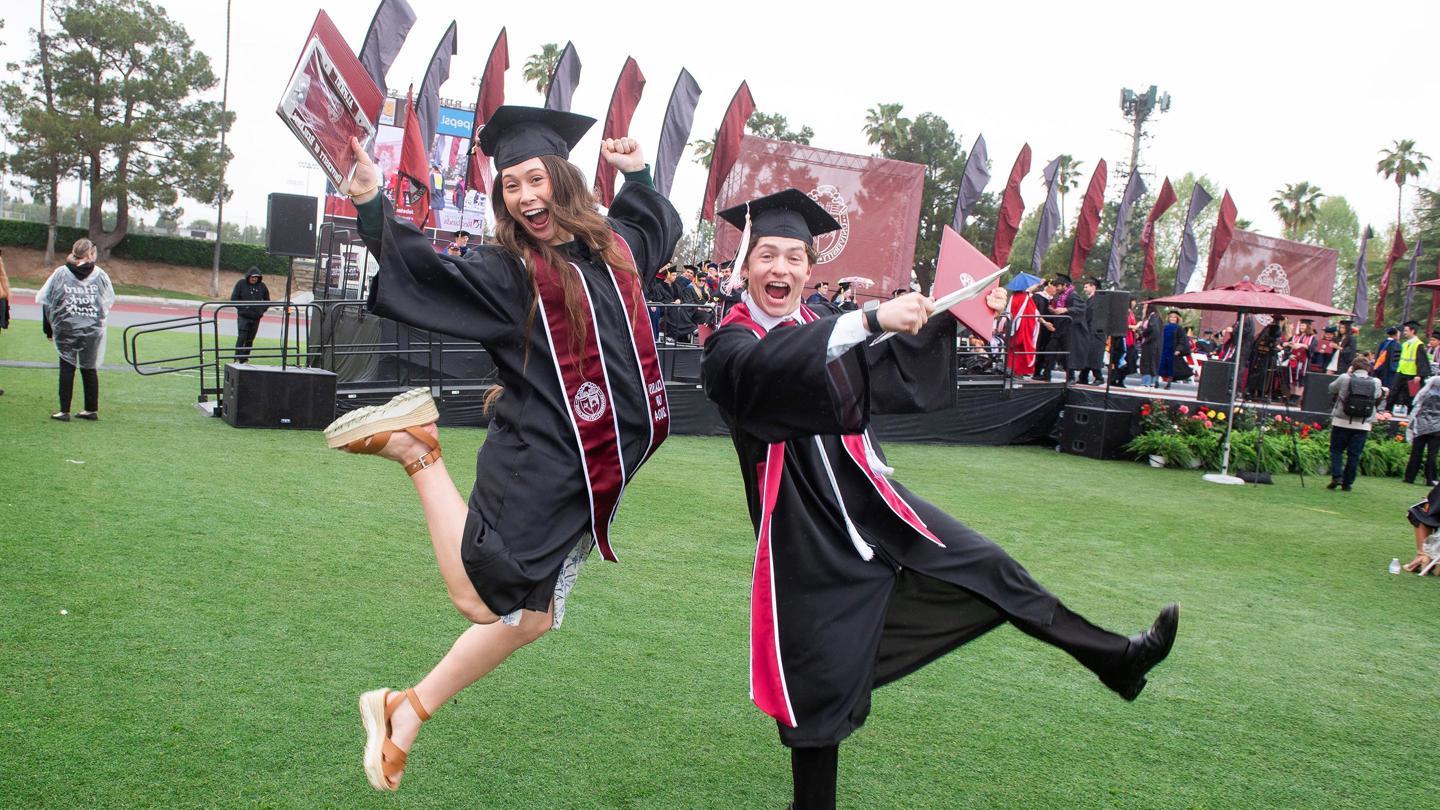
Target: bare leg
(1422, 533)
(475, 653)
(445, 513)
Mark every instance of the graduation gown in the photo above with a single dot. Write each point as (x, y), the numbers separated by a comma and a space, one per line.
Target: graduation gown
(570, 430)
(857, 581)
(1151, 336)
(1085, 350)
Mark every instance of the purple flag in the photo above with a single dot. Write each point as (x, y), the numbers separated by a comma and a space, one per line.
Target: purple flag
(1410, 291)
(564, 80)
(1134, 190)
(427, 104)
(1362, 292)
(1189, 248)
(675, 133)
(1049, 216)
(387, 33)
(972, 184)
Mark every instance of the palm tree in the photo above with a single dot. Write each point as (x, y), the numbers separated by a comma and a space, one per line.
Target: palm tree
(540, 66)
(1067, 181)
(1401, 162)
(885, 126)
(1297, 205)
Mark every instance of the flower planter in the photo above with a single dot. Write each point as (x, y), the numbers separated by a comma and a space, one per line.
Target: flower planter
(1157, 461)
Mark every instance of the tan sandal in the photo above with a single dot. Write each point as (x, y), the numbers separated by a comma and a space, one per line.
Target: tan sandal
(367, 430)
(384, 761)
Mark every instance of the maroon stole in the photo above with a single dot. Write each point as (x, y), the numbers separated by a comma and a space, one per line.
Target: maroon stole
(768, 688)
(586, 383)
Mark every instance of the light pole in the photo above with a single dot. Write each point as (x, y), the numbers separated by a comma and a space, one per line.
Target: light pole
(1138, 107)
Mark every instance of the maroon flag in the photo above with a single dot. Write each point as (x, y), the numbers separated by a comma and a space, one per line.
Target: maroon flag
(1220, 239)
(1012, 207)
(1397, 252)
(490, 99)
(413, 190)
(1434, 303)
(1088, 225)
(727, 147)
(1148, 281)
(617, 124)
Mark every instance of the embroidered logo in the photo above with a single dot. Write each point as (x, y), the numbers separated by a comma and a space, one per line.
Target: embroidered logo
(831, 245)
(590, 401)
(1274, 277)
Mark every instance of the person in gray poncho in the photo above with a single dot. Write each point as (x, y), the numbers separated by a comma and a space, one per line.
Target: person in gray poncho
(74, 302)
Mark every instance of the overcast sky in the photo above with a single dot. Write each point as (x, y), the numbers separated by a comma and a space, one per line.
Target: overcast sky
(1264, 93)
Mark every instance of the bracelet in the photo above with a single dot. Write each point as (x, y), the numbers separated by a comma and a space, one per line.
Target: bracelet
(353, 194)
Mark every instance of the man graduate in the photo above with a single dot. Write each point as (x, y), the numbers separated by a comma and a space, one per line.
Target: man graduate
(857, 581)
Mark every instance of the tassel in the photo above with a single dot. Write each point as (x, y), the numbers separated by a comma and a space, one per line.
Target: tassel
(736, 281)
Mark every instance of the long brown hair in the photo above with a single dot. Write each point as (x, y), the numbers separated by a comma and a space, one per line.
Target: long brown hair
(572, 209)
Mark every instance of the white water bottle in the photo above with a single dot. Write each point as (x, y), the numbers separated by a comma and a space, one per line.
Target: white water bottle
(1395, 565)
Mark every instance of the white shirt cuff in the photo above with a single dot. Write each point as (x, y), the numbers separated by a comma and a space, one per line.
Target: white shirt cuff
(849, 331)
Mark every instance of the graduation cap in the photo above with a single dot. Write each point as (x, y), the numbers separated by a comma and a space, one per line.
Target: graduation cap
(1331, 329)
(1412, 324)
(1307, 320)
(1346, 322)
(515, 134)
(1065, 277)
(790, 213)
(462, 232)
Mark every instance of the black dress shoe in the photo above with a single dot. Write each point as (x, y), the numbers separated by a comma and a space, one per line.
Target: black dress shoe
(1145, 651)
(1334, 483)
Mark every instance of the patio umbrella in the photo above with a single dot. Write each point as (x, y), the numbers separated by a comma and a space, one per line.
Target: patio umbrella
(1023, 282)
(1432, 284)
(1244, 297)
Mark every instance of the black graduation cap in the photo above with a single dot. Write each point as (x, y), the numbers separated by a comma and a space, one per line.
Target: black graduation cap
(1346, 322)
(1307, 320)
(789, 213)
(1412, 324)
(462, 232)
(516, 134)
(1331, 329)
(1065, 277)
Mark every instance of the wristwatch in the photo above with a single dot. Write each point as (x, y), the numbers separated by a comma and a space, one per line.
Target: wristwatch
(872, 316)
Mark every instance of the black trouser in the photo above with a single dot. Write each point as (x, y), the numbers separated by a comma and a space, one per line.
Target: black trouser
(1259, 379)
(1427, 445)
(88, 377)
(1400, 392)
(245, 331)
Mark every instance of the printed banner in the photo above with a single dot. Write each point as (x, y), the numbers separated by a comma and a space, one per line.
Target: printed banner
(1293, 268)
(876, 201)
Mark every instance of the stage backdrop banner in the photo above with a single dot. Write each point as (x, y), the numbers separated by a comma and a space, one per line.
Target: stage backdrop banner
(876, 201)
(1293, 268)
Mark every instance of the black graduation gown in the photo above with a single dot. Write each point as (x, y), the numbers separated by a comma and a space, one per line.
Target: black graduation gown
(1085, 349)
(828, 625)
(531, 501)
(1152, 335)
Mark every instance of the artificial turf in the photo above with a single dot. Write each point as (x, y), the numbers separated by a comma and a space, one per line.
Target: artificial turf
(230, 592)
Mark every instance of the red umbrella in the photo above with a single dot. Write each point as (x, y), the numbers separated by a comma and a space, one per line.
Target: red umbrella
(1244, 297)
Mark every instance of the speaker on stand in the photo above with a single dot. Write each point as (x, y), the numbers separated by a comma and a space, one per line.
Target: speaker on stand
(290, 231)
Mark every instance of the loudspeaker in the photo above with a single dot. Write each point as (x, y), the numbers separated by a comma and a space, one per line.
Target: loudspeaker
(687, 366)
(1095, 432)
(1317, 392)
(290, 225)
(1109, 309)
(1215, 379)
(270, 397)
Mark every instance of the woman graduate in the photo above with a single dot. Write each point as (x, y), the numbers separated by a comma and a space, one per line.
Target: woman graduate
(857, 581)
(558, 305)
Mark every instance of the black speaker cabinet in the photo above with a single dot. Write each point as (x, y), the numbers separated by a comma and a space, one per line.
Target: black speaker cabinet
(1317, 392)
(290, 225)
(1215, 379)
(687, 365)
(1095, 432)
(1109, 310)
(270, 397)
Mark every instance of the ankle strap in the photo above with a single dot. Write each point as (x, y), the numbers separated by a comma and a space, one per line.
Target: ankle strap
(427, 460)
(416, 705)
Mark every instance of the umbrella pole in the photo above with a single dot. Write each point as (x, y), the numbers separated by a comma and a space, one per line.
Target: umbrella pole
(1224, 476)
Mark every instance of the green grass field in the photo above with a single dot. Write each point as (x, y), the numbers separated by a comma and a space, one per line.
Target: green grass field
(231, 592)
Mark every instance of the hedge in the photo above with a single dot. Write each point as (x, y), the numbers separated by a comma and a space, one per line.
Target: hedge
(149, 248)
